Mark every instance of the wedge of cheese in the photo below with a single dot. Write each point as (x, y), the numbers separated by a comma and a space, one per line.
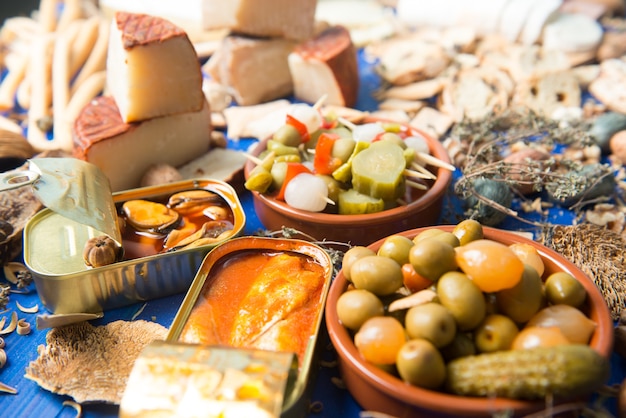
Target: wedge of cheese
(152, 68)
(326, 66)
(255, 69)
(124, 151)
(292, 19)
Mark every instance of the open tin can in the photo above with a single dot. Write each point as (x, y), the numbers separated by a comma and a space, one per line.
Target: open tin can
(53, 252)
(263, 294)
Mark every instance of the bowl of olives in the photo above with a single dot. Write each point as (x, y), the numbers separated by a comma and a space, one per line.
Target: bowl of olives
(343, 182)
(466, 320)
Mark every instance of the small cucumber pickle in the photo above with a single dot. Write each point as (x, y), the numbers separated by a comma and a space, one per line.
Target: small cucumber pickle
(461, 302)
(375, 166)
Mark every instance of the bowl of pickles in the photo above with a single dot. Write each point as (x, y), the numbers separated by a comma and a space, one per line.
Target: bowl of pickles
(335, 180)
(467, 321)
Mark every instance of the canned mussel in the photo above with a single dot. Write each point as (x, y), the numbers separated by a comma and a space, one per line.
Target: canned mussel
(160, 237)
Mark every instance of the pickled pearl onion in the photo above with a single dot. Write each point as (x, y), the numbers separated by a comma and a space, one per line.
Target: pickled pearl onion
(367, 132)
(418, 143)
(307, 192)
(307, 115)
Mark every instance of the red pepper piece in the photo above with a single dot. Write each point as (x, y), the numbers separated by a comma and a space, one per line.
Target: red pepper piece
(293, 169)
(300, 127)
(324, 162)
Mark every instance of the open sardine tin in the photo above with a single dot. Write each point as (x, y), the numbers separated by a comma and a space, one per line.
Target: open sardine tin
(53, 247)
(264, 305)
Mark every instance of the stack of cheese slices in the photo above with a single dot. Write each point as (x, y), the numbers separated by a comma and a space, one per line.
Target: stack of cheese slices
(274, 50)
(154, 110)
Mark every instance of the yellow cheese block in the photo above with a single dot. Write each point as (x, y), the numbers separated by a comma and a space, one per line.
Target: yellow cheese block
(125, 151)
(292, 19)
(152, 68)
(236, 65)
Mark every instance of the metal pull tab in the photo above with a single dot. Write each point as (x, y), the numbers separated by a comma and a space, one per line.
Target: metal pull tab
(15, 179)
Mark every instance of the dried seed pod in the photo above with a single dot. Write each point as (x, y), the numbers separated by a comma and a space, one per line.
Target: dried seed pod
(101, 251)
(3, 358)
(23, 327)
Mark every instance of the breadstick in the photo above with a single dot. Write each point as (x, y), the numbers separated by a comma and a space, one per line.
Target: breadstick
(22, 95)
(98, 56)
(89, 89)
(7, 124)
(71, 11)
(11, 82)
(40, 62)
(84, 42)
(19, 27)
(60, 86)
(48, 15)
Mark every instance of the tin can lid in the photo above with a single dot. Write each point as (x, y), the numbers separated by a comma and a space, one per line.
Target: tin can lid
(77, 190)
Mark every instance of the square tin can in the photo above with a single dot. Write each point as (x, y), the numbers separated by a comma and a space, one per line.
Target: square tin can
(225, 257)
(53, 246)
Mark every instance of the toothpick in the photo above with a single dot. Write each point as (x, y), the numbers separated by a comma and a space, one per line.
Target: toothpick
(423, 170)
(254, 159)
(329, 200)
(346, 123)
(416, 185)
(320, 102)
(429, 159)
(416, 174)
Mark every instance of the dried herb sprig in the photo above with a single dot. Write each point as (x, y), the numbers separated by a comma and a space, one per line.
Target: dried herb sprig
(487, 141)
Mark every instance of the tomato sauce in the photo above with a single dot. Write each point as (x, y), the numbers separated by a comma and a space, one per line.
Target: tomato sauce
(259, 299)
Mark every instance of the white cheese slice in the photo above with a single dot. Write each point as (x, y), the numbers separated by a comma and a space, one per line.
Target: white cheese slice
(541, 13)
(513, 18)
(572, 33)
(124, 152)
(152, 68)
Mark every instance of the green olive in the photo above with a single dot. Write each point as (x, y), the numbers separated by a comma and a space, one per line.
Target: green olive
(462, 298)
(287, 135)
(350, 256)
(495, 333)
(461, 346)
(396, 247)
(421, 364)
(448, 237)
(563, 288)
(431, 258)
(342, 148)
(380, 275)
(468, 230)
(279, 173)
(354, 307)
(523, 300)
(427, 233)
(431, 321)
(334, 187)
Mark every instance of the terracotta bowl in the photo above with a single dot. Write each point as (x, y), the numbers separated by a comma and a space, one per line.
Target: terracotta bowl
(376, 390)
(422, 210)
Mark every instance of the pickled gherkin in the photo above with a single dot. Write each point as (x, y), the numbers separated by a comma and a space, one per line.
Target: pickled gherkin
(378, 171)
(352, 202)
(564, 370)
